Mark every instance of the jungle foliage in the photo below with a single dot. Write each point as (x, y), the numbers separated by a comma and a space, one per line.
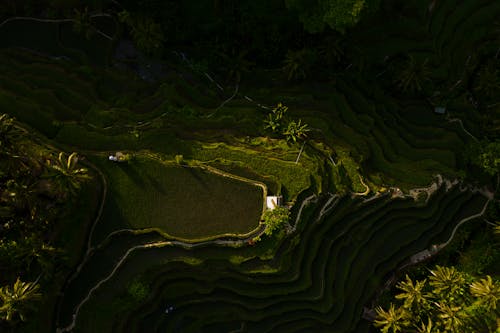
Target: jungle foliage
(36, 187)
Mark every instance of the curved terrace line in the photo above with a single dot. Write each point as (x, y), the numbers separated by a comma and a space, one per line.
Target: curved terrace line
(426, 253)
(161, 244)
(34, 19)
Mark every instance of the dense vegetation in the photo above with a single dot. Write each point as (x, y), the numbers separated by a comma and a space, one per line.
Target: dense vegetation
(328, 103)
(37, 194)
(451, 301)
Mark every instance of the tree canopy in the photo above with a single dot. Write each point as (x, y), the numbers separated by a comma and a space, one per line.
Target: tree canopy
(452, 301)
(336, 14)
(276, 219)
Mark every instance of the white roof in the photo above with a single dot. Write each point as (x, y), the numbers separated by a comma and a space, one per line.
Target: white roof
(272, 201)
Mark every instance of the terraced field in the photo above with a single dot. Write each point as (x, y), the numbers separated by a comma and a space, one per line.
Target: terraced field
(318, 283)
(343, 246)
(186, 202)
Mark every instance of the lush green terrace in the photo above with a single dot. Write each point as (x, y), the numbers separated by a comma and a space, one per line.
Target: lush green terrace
(178, 224)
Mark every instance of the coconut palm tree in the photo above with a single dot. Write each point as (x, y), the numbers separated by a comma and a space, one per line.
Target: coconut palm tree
(488, 81)
(296, 131)
(298, 64)
(236, 64)
(67, 172)
(496, 229)
(487, 292)
(279, 111)
(7, 133)
(146, 33)
(82, 23)
(479, 320)
(451, 316)
(425, 328)
(394, 320)
(18, 300)
(332, 50)
(272, 123)
(413, 75)
(275, 118)
(446, 281)
(412, 293)
(21, 194)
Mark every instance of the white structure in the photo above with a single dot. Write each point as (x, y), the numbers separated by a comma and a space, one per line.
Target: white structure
(440, 110)
(273, 201)
(119, 157)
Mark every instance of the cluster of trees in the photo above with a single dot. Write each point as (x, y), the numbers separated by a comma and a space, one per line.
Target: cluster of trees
(35, 188)
(264, 31)
(275, 220)
(485, 155)
(463, 295)
(279, 124)
(336, 14)
(448, 301)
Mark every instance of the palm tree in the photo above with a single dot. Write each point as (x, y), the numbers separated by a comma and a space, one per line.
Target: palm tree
(496, 228)
(451, 316)
(18, 299)
(235, 64)
(21, 194)
(332, 51)
(446, 281)
(298, 64)
(7, 133)
(425, 328)
(82, 23)
(67, 173)
(412, 293)
(394, 320)
(296, 131)
(487, 292)
(274, 119)
(479, 319)
(279, 111)
(272, 123)
(488, 81)
(413, 75)
(146, 33)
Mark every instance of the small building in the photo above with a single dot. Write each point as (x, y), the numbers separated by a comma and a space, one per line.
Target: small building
(118, 157)
(440, 110)
(273, 201)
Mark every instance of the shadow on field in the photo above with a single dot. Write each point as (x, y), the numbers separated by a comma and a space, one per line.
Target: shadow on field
(131, 171)
(197, 176)
(157, 186)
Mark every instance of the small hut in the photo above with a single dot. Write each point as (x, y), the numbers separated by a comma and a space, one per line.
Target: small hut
(440, 110)
(273, 201)
(118, 157)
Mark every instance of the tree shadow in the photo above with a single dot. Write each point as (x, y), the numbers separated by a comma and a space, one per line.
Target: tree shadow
(130, 170)
(194, 173)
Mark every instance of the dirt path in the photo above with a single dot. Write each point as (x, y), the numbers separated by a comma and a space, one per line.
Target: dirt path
(453, 120)
(366, 187)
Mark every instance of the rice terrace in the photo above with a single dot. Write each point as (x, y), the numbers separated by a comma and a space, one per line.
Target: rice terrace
(249, 166)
